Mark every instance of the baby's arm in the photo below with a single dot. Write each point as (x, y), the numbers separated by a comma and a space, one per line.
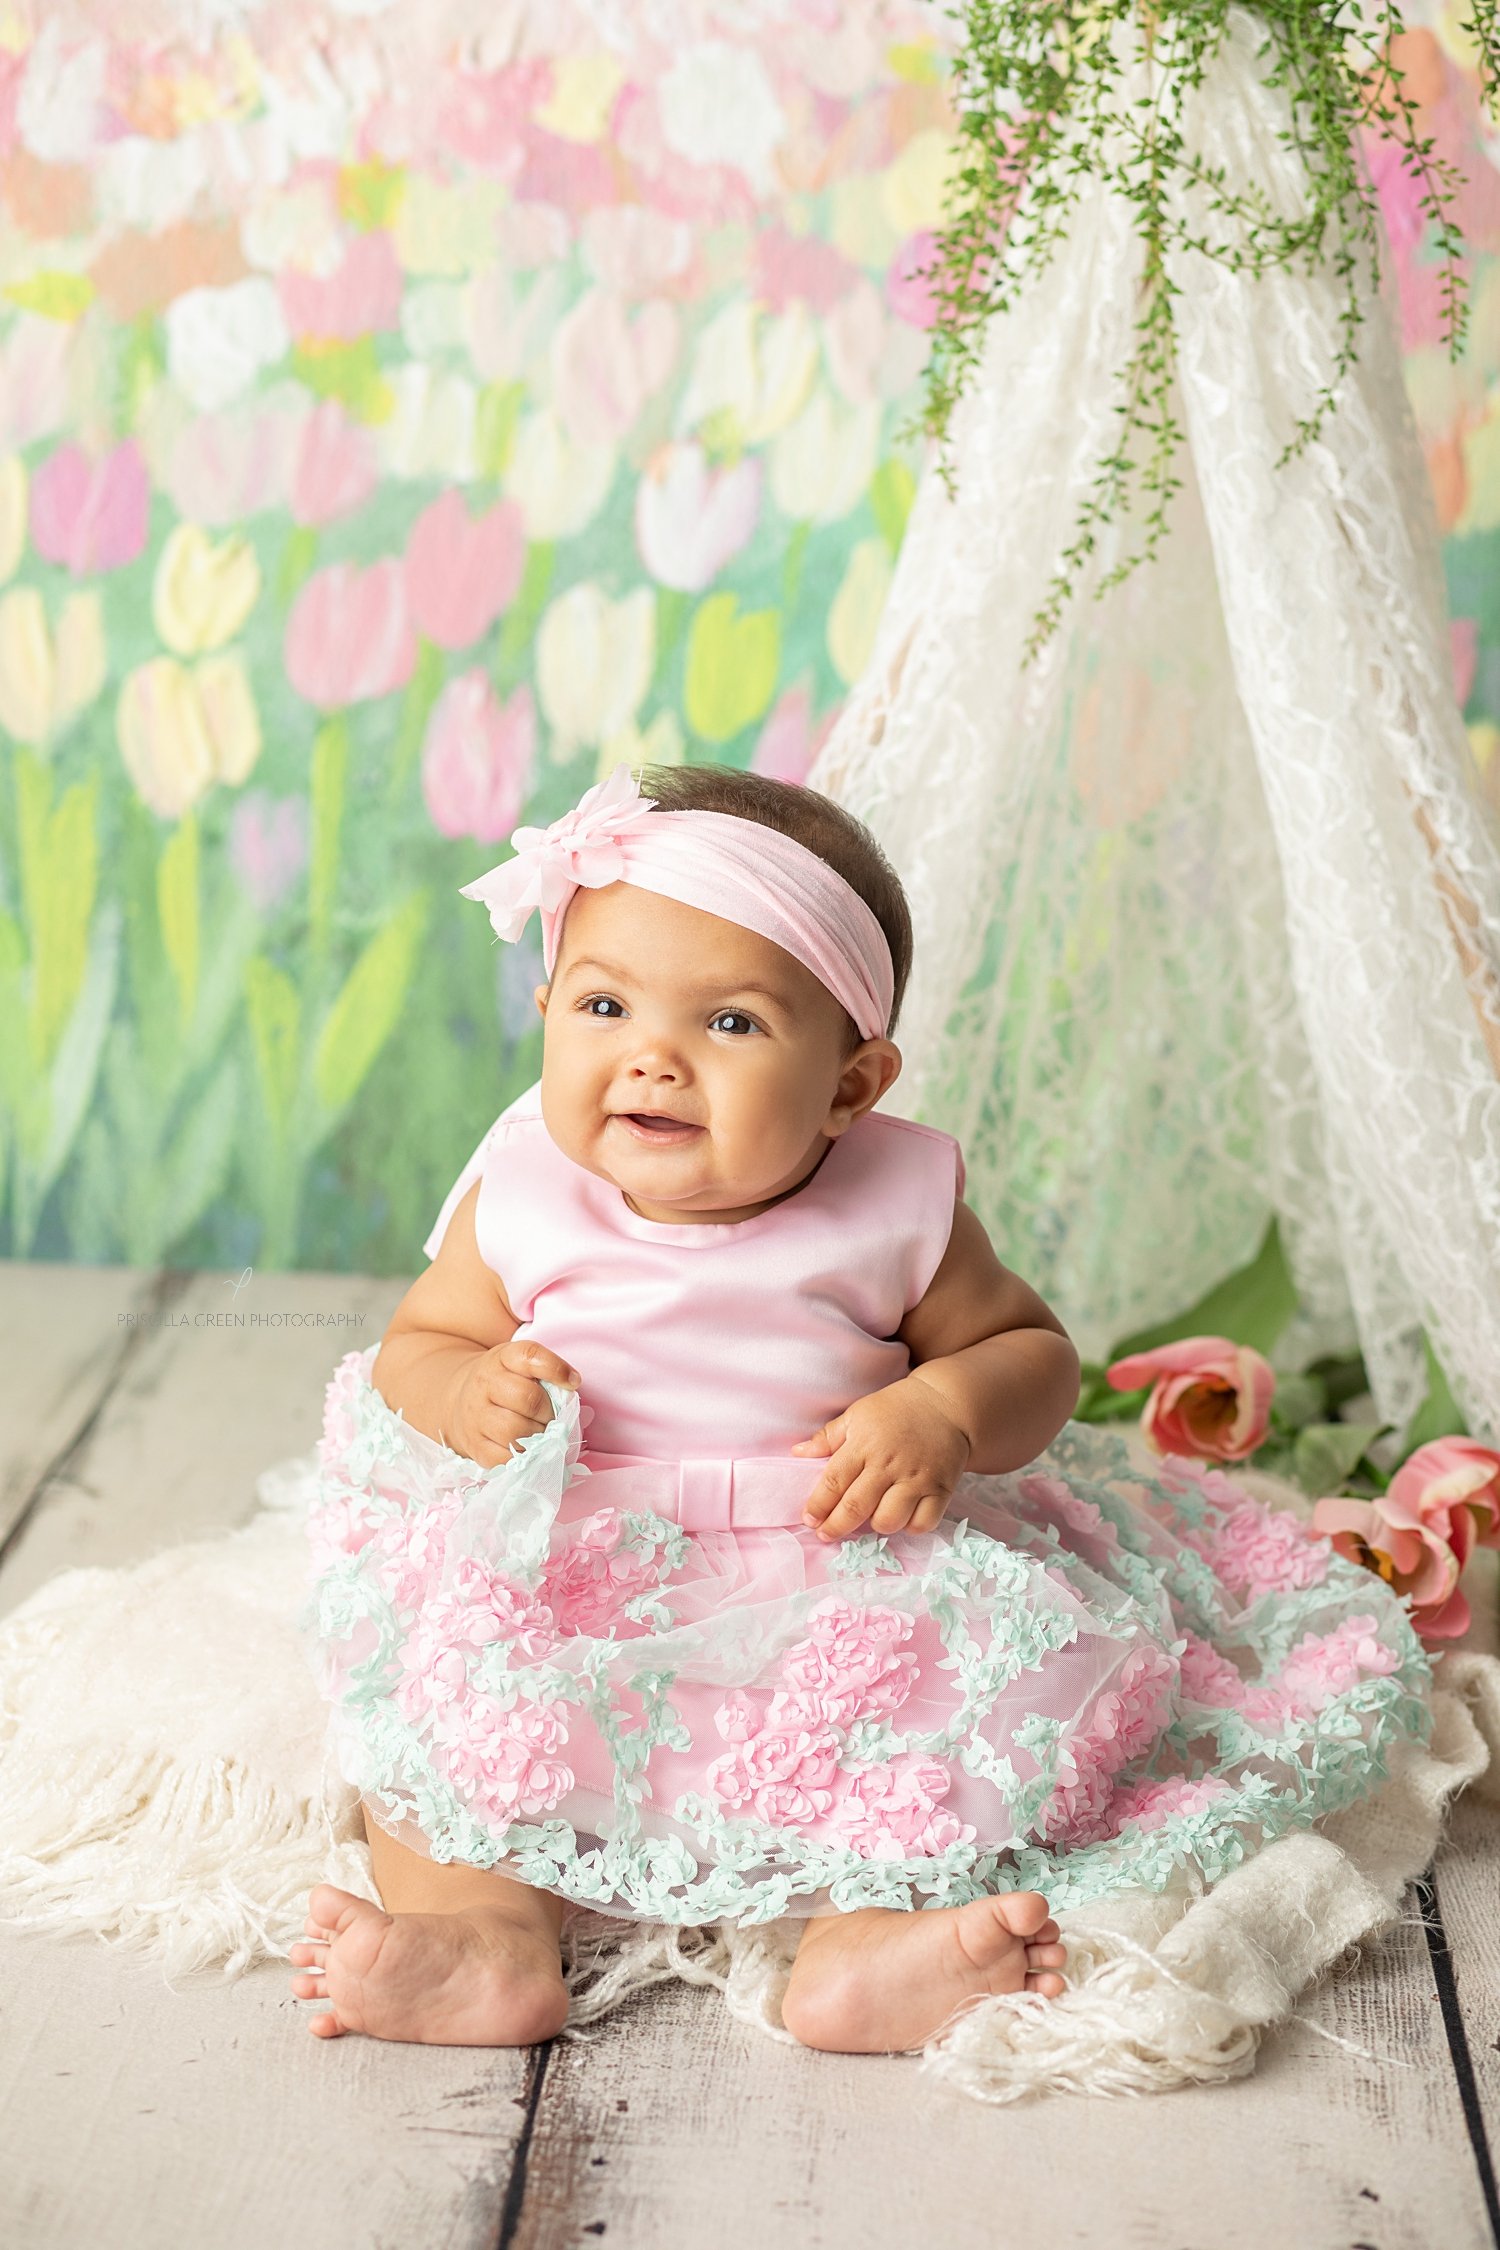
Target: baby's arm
(994, 1377)
(447, 1360)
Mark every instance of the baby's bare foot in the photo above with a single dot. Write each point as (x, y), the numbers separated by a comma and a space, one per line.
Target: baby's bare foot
(880, 1982)
(486, 1976)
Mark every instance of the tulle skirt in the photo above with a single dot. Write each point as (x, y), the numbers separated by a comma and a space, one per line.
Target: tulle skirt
(1089, 1678)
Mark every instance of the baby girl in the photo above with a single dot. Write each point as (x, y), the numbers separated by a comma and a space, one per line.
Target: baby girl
(672, 1557)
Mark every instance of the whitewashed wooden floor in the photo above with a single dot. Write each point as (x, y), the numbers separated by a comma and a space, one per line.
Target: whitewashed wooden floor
(147, 2117)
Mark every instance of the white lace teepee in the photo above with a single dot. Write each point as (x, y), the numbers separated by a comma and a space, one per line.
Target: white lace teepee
(1207, 903)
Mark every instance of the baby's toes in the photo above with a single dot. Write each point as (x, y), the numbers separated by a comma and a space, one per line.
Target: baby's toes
(1046, 1956)
(305, 1955)
(1047, 1984)
(311, 1986)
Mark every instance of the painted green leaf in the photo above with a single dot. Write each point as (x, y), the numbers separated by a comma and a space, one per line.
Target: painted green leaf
(197, 1161)
(1253, 1306)
(275, 1014)
(348, 372)
(330, 776)
(495, 417)
(892, 489)
(59, 878)
(56, 295)
(732, 663)
(177, 911)
(366, 1009)
(76, 1069)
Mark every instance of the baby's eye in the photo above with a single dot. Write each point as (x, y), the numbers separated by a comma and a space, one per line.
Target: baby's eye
(733, 1016)
(598, 1003)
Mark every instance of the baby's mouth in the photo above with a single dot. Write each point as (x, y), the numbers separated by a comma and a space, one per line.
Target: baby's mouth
(659, 1131)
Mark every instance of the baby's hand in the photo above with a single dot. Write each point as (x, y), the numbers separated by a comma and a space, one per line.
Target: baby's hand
(896, 1456)
(498, 1398)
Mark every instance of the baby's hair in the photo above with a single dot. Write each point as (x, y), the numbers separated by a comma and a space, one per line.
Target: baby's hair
(811, 819)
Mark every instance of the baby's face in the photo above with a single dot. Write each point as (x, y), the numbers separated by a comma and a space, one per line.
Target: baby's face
(693, 1063)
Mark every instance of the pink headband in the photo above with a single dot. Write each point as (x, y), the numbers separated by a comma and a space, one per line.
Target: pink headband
(734, 868)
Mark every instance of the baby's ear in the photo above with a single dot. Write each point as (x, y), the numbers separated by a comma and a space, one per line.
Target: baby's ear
(540, 997)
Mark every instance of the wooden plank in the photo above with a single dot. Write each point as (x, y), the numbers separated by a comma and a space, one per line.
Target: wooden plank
(678, 2126)
(1467, 1886)
(64, 1332)
(153, 2117)
(159, 2119)
(197, 1410)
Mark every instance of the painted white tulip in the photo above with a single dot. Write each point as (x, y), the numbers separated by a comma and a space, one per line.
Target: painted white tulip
(558, 484)
(751, 368)
(204, 589)
(230, 715)
(822, 463)
(430, 432)
(48, 678)
(218, 340)
(718, 106)
(594, 659)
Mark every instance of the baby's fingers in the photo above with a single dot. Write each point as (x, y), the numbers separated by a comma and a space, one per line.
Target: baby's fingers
(534, 1359)
(855, 1508)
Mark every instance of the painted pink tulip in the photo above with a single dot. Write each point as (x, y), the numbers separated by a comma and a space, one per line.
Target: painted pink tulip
(607, 364)
(1210, 1397)
(336, 468)
(362, 294)
(463, 570)
(349, 637)
(784, 749)
(91, 513)
(908, 291)
(689, 520)
(221, 469)
(1419, 1533)
(268, 845)
(477, 759)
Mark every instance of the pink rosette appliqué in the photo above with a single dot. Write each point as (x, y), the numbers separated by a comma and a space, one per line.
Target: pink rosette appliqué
(1320, 1668)
(1150, 1804)
(1255, 1550)
(851, 1665)
(779, 1765)
(896, 1811)
(1122, 1723)
(583, 847)
(503, 1759)
(588, 1585)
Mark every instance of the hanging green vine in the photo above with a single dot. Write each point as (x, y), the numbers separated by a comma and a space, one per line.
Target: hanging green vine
(1048, 98)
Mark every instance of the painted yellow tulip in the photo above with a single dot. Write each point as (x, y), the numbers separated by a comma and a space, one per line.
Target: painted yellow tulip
(48, 677)
(204, 590)
(181, 730)
(855, 611)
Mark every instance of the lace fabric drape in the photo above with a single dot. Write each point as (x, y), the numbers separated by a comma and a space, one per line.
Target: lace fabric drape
(1206, 899)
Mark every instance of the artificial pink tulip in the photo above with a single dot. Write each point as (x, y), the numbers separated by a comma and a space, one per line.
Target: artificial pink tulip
(336, 468)
(1418, 1534)
(463, 570)
(91, 513)
(349, 637)
(1211, 1398)
(477, 759)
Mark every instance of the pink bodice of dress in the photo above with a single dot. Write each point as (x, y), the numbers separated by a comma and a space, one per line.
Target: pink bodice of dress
(701, 1342)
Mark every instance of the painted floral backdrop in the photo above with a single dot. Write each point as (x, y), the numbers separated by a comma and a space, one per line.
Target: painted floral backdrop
(404, 414)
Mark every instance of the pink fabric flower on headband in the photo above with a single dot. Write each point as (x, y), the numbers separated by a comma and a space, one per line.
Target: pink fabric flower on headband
(583, 847)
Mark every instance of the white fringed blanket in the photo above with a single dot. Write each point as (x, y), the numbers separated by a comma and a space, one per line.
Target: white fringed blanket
(164, 1784)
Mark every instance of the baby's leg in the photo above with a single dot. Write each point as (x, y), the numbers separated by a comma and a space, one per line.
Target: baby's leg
(879, 1982)
(455, 1958)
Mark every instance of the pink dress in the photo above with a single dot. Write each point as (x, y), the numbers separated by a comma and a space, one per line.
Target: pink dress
(617, 1667)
